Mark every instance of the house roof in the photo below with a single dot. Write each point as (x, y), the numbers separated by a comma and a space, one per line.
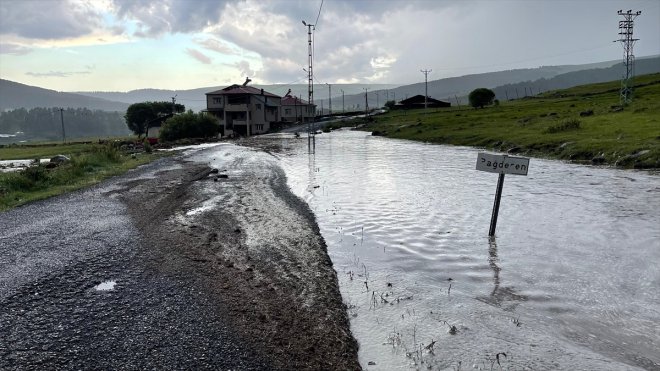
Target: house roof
(289, 100)
(417, 99)
(242, 89)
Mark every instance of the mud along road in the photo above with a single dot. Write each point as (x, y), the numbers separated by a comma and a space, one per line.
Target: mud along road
(172, 266)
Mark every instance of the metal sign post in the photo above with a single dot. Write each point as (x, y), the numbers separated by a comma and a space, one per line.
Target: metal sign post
(501, 164)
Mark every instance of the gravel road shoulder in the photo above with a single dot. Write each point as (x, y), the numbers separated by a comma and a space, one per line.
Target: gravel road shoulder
(209, 272)
(252, 247)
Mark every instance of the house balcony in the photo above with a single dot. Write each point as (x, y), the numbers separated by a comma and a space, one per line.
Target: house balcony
(236, 107)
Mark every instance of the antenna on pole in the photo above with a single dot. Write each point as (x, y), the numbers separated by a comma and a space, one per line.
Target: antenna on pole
(310, 86)
(628, 42)
(426, 87)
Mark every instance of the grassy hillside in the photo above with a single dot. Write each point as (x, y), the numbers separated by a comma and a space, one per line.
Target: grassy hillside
(552, 125)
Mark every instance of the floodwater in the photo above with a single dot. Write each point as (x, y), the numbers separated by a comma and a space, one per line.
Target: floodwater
(571, 280)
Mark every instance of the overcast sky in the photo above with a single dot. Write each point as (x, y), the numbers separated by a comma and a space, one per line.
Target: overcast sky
(120, 45)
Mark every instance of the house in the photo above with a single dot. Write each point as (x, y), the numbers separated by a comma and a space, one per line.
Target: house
(418, 102)
(294, 109)
(243, 110)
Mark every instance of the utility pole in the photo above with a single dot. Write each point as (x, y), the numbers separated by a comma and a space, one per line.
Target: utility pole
(62, 120)
(377, 96)
(628, 42)
(310, 87)
(329, 98)
(426, 87)
(366, 102)
(343, 109)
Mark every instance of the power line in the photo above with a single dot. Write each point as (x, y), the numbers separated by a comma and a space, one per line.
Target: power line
(316, 23)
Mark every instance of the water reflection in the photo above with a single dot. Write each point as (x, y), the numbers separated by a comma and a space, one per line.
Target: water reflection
(492, 261)
(504, 297)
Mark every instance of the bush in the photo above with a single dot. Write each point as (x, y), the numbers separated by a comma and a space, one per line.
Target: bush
(481, 97)
(567, 125)
(147, 146)
(189, 125)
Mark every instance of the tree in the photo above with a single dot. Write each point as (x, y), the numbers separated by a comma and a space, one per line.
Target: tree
(139, 114)
(481, 97)
(189, 125)
(390, 104)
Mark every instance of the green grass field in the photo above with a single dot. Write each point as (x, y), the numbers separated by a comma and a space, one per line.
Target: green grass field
(549, 125)
(90, 163)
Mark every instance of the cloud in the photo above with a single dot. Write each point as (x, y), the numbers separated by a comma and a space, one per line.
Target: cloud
(198, 55)
(57, 73)
(88, 69)
(157, 17)
(217, 46)
(244, 68)
(47, 19)
(351, 40)
(249, 26)
(14, 49)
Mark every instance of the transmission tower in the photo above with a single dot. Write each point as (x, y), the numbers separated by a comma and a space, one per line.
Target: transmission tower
(626, 39)
(426, 86)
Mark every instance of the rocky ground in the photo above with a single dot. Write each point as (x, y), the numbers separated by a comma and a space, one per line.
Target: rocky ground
(221, 269)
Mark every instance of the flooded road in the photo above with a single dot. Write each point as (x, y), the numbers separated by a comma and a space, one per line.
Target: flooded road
(570, 281)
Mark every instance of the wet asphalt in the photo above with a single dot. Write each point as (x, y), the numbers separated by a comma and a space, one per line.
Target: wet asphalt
(54, 253)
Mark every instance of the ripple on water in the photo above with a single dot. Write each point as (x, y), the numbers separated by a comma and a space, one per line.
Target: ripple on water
(574, 256)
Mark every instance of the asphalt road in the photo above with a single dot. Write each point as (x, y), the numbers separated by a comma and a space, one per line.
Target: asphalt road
(54, 253)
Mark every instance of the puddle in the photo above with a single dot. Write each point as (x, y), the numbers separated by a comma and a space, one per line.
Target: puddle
(206, 206)
(105, 286)
(15, 165)
(571, 259)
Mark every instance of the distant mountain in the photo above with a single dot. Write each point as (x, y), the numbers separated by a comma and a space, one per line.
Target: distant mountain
(543, 78)
(570, 79)
(195, 99)
(532, 80)
(15, 95)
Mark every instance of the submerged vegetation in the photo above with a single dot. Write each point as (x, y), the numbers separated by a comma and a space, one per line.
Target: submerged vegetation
(88, 164)
(581, 124)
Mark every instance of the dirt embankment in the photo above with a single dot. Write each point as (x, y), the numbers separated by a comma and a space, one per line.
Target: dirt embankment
(254, 249)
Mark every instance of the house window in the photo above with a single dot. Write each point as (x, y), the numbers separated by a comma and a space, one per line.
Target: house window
(260, 127)
(217, 100)
(259, 106)
(287, 111)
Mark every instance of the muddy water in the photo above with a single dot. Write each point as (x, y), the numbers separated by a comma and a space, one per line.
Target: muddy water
(571, 280)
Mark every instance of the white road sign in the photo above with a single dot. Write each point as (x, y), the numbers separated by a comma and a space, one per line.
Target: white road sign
(502, 164)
